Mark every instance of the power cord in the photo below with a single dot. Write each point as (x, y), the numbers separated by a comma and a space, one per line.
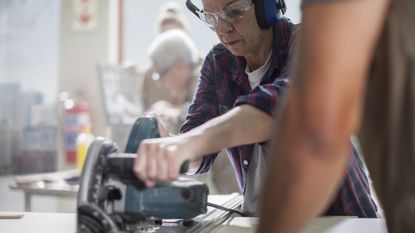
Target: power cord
(242, 214)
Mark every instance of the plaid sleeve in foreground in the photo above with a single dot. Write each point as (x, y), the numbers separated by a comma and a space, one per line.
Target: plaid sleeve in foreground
(265, 97)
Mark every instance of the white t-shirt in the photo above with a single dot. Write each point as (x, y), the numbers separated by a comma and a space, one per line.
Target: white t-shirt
(255, 77)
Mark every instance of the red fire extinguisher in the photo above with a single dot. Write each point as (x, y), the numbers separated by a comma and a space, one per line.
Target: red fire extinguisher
(76, 117)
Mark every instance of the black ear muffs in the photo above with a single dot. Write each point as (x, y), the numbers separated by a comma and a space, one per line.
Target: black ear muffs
(268, 12)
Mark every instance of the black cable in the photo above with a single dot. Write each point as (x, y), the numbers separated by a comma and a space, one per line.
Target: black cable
(226, 209)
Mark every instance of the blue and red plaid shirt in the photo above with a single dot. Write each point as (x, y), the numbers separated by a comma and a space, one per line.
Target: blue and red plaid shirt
(224, 84)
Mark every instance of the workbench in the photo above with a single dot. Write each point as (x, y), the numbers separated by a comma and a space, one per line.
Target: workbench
(53, 184)
(216, 221)
(66, 223)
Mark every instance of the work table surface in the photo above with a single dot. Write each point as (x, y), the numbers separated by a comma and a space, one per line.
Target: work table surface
(66, 223)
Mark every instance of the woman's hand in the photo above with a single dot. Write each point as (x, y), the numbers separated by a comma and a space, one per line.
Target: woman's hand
(160, 159)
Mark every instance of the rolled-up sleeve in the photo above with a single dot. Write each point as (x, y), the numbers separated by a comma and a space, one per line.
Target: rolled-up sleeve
(265, 97)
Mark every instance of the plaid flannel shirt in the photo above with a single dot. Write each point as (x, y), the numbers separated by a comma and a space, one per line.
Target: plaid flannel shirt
(223, 84)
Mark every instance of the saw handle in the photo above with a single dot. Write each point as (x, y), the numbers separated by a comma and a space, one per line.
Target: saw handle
(120, 166)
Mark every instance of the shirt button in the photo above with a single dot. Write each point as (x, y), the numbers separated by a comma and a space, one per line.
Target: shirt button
(245, 162)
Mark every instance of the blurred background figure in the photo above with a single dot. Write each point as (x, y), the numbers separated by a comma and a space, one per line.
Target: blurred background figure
(169, 17)
(170, 82)
(176, 64)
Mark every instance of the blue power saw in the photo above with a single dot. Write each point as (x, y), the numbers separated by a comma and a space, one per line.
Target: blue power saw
(112, 199)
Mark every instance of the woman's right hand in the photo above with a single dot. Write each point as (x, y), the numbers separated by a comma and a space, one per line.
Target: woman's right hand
(160, 159)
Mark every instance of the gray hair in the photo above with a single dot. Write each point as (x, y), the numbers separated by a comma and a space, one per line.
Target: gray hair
(173, 46)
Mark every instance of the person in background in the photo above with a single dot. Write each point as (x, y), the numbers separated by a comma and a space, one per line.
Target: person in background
(170, 17)
(176, 62)
(354, 75)
(156, 98)
(241, 83)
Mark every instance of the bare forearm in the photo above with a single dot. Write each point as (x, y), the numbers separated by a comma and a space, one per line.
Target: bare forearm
(159, 159)
(241, 125)
(302, 180)
(309, 151)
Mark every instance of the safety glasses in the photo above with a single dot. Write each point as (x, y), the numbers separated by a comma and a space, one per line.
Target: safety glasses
(231, 13)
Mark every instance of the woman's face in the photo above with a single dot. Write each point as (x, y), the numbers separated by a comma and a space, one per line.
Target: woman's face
(242, 37)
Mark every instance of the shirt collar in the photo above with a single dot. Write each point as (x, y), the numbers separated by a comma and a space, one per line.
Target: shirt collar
(282, 32)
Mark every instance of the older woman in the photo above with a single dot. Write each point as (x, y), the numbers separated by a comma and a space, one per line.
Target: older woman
(241, 83)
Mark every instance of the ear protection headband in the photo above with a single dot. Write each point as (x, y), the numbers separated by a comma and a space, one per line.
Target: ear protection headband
(268, 12)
